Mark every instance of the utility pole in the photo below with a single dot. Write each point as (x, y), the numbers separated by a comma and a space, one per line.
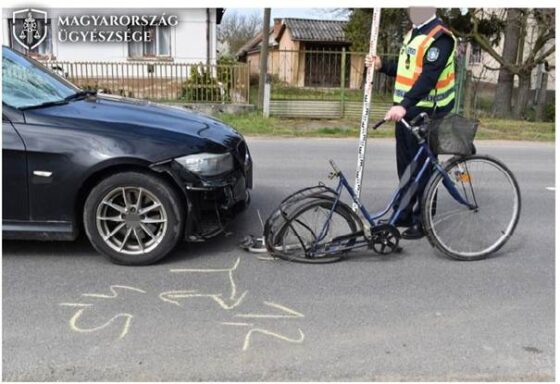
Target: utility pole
(264, 56)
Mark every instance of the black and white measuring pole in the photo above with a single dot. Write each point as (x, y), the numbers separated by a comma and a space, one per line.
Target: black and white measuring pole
(366, 106)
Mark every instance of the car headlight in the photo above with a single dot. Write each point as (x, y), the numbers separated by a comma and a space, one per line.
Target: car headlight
(207, 164)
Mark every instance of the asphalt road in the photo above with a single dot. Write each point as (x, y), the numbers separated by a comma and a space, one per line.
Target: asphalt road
(213, 312)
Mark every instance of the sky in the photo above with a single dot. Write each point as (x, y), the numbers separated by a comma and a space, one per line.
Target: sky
(307, 13)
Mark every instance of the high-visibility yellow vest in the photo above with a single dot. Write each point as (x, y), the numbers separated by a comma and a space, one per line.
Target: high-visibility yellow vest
(411, 60)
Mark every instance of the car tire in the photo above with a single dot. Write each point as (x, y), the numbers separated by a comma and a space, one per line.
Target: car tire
(134, 218)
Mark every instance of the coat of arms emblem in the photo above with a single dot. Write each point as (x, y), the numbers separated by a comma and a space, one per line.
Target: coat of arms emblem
(29, 27)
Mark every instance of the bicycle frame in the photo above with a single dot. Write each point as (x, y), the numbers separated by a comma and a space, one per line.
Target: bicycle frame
(405, 192)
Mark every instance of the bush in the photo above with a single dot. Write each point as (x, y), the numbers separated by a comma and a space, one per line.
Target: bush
(202, 86)
(549, 113)
(210, 84)
(548, 116)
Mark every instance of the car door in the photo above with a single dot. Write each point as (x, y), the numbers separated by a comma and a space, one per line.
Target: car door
(15, 195)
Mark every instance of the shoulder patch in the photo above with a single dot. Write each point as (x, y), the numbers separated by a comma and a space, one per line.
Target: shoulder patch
(433, 54)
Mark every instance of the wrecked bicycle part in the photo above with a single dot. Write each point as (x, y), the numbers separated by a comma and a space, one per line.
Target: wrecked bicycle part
(470, 206)
(309, 228)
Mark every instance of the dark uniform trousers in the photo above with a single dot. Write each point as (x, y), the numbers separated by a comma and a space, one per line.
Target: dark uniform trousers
(407, 147)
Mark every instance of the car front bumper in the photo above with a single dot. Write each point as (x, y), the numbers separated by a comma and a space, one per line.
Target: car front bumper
(212, 202)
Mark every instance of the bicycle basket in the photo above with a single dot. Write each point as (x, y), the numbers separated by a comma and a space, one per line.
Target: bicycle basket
(452, 135)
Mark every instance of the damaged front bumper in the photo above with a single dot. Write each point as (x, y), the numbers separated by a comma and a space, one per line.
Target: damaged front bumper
(211, 201)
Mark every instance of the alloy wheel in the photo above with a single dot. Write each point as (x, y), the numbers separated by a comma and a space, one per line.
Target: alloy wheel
(131, 220)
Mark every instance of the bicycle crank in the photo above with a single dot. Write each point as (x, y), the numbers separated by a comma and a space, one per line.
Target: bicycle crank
(384, 239)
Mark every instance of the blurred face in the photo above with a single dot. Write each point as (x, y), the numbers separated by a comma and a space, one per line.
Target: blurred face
(419, 15)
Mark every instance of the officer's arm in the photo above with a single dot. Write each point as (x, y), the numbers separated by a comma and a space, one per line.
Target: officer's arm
(388, 67)
(431, 69)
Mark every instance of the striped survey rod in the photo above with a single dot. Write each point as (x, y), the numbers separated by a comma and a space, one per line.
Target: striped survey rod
(366, 106)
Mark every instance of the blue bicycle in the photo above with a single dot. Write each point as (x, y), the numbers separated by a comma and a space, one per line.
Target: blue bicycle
(470, 206)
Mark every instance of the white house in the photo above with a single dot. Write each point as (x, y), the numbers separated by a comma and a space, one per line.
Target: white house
(175, 51)
(192, 40)
(485, 67)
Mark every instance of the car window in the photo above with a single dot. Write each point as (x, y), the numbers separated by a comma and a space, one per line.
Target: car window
(26, 83)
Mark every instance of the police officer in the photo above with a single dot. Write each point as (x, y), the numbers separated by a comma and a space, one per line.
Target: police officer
(425, 82)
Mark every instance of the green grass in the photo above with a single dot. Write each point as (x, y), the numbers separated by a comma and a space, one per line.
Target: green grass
(253, 124)
(500, 129)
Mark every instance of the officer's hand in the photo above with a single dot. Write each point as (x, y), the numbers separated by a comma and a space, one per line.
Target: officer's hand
(370, 59)
(396, 113)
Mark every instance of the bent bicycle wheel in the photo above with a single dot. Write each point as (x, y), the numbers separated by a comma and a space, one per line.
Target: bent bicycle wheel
(467, 233)
(307, 235)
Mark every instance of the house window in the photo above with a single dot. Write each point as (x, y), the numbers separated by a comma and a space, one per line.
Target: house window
(158, 46)
(43, 50)
(476, 54)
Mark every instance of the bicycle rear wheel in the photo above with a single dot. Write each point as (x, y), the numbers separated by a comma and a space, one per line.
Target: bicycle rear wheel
(299, 239)
(472, 234)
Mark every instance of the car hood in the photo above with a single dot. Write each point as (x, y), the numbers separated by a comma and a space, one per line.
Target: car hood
(152, 121)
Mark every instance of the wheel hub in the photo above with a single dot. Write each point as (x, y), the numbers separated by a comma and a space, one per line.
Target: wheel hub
(132, 219)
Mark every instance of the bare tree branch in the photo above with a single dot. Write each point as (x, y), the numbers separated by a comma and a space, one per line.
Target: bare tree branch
(236, 29)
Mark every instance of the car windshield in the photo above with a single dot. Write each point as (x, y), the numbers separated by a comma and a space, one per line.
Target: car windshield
(26, 83)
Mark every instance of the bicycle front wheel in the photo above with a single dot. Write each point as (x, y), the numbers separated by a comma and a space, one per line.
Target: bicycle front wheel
(316, 233)
(472, 233)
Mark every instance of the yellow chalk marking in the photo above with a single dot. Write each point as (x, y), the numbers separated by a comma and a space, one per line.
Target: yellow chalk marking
(230, 274)
(237, 324)
(187, 295)
(216, 297)
(291, 313)
(165, 296)
(114, 293)
(269, 333)
(77, 315)
(75, 305)
(207, 270)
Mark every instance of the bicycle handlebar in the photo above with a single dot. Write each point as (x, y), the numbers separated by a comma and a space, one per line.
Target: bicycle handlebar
(334, 166)
(408, 125)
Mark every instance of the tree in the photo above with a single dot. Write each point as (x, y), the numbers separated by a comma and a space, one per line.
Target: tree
(504, 89)
(392, 27)
(236, 29)
(519, 56)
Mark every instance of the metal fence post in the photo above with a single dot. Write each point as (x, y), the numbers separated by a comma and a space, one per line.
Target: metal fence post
(248, 83)
(342, 80)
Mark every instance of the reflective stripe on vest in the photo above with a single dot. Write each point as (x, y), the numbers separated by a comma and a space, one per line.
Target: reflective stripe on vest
(411, 61)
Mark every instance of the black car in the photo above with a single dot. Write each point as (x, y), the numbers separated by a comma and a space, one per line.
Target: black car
(138, 177)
